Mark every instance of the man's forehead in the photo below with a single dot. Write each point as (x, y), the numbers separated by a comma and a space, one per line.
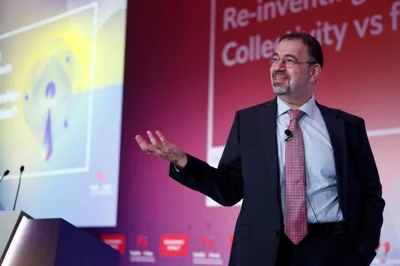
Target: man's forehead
(291, 48)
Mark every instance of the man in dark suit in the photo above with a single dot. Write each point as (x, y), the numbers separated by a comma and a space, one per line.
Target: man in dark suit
(305, 172)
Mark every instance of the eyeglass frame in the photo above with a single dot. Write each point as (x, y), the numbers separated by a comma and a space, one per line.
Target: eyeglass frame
(295, 61)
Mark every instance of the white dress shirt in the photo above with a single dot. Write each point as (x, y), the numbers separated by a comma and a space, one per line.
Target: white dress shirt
(320, 166)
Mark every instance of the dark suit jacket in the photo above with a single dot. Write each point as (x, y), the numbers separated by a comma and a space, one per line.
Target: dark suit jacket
(249, 170)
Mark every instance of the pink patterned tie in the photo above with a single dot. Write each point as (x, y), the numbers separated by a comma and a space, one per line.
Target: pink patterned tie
(295, 179)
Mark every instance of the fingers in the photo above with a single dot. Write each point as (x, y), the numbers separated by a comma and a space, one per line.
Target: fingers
(144, 145)
(154, 147)
(153, 141)
(140, 140)
(161, 136)
(160, 147)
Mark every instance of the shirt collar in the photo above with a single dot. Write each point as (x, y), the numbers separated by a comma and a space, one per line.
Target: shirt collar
(309, 108)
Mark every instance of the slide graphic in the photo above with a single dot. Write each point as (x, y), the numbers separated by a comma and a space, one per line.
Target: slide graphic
(48, 98)
(49, 109)
(61, 88)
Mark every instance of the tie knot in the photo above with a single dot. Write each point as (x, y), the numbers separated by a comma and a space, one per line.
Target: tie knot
(296, 114)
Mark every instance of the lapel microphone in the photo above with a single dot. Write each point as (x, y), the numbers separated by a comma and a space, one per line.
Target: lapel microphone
(289, 135)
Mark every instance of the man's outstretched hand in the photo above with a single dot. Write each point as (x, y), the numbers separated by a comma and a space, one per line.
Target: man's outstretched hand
(162, 148)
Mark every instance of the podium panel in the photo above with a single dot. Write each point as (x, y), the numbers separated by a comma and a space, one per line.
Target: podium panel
(50, 242)
(9, 221)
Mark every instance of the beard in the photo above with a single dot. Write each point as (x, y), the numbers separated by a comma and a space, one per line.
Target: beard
(281, 87)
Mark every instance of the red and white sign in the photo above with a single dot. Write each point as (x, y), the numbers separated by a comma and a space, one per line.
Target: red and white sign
(117, 241)
(174, 245)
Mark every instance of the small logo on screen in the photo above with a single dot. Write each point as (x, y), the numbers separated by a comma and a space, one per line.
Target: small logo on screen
(101, 187)
(101, 175)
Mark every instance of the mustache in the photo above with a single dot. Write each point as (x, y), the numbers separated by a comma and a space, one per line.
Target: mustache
(280, 72)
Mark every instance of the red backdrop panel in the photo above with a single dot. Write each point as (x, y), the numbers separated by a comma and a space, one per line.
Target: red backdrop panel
(175, 59)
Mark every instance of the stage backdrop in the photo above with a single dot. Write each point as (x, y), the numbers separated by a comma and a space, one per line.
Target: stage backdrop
(191, 64)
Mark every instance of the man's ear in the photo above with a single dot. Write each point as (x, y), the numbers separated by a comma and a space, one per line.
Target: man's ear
(315, 72)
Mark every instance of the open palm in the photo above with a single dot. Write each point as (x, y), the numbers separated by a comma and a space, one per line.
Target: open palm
(162, 148)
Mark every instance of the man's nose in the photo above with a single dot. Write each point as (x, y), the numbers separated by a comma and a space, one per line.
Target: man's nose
(280, 64)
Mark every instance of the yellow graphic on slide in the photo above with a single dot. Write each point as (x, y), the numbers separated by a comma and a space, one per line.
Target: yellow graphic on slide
(60, 69)
(68, 47)
(55, 68)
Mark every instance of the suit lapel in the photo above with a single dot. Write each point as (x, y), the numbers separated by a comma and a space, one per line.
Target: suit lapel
(268, 139)
(337, 134)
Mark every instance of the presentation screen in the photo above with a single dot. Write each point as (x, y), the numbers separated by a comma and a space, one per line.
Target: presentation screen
(61, 88)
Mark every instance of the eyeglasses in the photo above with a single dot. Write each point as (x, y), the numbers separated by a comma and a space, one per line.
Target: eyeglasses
(288, 62)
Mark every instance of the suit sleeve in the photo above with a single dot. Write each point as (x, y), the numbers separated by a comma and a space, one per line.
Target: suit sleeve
(223, 184)
(373, 203)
